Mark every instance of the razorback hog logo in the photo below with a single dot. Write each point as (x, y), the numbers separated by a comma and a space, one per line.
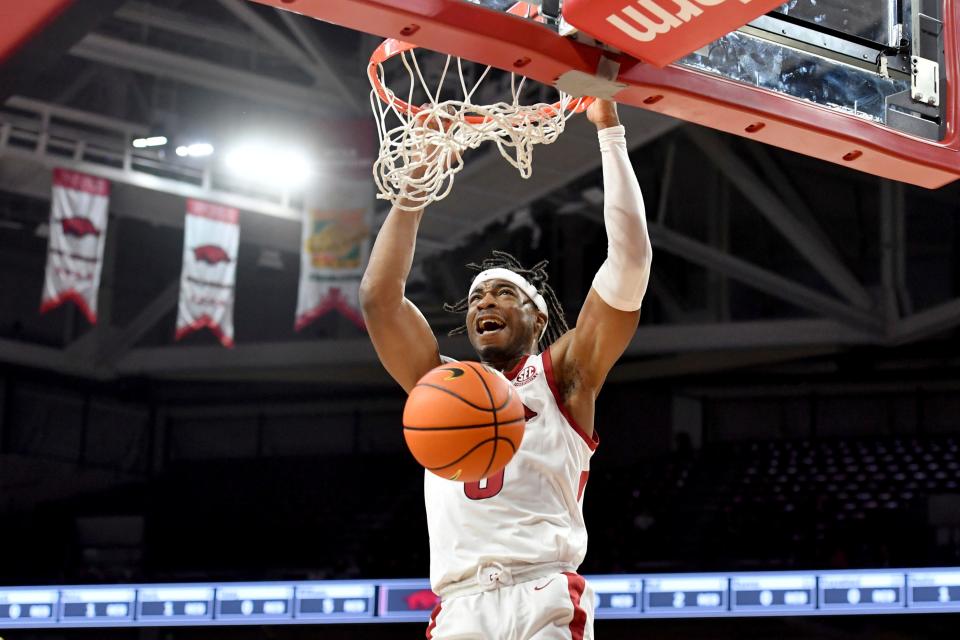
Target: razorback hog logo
(211, 254)
(422, 600)
(655, 20)
(78, 227)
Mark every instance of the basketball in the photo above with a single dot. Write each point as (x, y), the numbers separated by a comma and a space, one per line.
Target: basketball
(463, 421)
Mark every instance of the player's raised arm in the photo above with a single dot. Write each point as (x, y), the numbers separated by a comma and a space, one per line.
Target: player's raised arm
(611, 311)
(400, 334)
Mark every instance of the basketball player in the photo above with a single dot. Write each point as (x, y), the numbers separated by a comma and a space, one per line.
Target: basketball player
(504, 552)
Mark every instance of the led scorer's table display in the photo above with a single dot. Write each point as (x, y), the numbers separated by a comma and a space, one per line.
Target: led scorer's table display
(794, 593)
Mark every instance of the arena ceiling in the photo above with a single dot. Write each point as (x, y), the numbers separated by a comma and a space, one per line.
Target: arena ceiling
(762, 257)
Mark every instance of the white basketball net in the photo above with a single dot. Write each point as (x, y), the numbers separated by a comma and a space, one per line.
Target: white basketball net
(419, 158)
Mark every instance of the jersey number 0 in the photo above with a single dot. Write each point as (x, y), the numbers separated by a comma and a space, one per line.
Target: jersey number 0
(486, 488)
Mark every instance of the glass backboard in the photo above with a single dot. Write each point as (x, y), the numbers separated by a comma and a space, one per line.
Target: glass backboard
(753, 60)
(838, 54)
(872, 20)
(869, 84)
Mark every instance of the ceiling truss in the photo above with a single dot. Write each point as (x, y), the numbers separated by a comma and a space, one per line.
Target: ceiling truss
(36, 136)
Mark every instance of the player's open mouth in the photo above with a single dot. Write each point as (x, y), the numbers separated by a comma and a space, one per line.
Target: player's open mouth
(489, 324)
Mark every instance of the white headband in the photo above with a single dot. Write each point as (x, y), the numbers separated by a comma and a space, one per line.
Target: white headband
(515, 279)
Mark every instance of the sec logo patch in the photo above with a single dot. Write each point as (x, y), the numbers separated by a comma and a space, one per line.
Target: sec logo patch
(529, 374)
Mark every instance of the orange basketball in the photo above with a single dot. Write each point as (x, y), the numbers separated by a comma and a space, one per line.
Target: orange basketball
(463, 421)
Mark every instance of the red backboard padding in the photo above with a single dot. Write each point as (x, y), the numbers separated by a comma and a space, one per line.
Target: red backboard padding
(21, 19)
(662, 31)
(512, 43)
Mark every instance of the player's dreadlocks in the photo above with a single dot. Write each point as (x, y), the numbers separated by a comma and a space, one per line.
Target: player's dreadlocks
(537, 276)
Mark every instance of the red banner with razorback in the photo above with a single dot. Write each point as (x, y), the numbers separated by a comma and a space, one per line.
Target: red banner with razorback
(78, 227)
(211, 241)
(662, 31)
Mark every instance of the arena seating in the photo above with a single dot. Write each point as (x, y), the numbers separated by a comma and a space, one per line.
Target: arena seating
(781, 504)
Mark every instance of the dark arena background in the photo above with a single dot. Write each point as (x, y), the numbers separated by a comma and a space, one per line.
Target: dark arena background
(780, 444)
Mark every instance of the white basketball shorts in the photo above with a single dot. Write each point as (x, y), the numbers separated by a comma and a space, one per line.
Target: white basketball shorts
(554, 607)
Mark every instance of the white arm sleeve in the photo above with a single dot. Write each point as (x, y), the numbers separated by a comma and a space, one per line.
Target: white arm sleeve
(622, 279)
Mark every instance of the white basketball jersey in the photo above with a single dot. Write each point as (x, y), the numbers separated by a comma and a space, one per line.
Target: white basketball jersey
(530, 513)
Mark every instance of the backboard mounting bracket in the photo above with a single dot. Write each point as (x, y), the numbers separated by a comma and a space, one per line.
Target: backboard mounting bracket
(603, 84)
(925, 84)
(927, 32)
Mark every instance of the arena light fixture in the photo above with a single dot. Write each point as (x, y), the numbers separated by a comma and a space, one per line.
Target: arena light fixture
(262, 163)
(152, 141)
(195, 150)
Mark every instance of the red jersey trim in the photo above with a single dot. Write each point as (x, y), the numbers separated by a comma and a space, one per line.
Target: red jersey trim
(510, 375)
(575, 586)
(551, 381)
(433, 620)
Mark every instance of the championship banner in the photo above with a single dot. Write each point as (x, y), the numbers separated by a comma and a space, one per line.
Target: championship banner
(78, 227)
(335, 233)
(332, 255)
(211, 240)
(662, 31)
